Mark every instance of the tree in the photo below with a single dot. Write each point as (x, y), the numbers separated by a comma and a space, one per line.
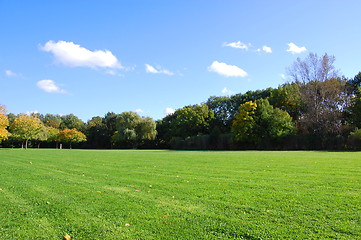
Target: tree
(288, 98)
(96, 132)
(71, 136)
(222, 108)
(354, 111)
(313, 68)
(25, 128)
(259, 122)
(226, 108)
(43, 135)
(146, 129)
(53, 134)
(51, 120)
(244, 124)
(4, 123)
(71, 121)
(191, 121)
(325, 95)
(110, 121)
(132, 130)
(355, 84)
(323, 106)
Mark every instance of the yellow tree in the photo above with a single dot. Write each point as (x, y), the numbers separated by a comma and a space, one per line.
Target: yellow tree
(25, 128)
(4, 123)
(243, 125)
(71, 136)
(53, 135)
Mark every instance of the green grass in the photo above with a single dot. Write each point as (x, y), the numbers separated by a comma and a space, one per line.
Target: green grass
(94, 194)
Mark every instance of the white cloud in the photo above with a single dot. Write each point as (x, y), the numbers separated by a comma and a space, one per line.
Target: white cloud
(73, 55)
(283, 76)
(32, 112)
(238, 44)
(113, 72)
(294, 49)
(49, 86)
(138, 110)
(10, 73)
(157, 70)
(227, 70)
(267, 49)
(227, 91)
(168, 111)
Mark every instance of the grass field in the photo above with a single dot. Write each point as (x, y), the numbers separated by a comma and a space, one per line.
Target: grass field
(94, 194)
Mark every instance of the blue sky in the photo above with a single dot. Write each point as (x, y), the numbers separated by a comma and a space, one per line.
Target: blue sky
(154, 56)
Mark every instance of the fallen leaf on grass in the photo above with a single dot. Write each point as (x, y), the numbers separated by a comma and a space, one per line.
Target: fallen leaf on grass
(31, 162)
(137, 190)
(127, 225)
(165, 216)
(98, 191)
(67, 237)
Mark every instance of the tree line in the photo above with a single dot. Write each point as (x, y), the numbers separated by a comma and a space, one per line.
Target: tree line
(317, 109)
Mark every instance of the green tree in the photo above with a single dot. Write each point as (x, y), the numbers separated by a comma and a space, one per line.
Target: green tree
(191, 121)
(226, 108)
(288, 98)
(222, 108)
(110, 121)
(132, 130)
(71, 121)
(259, 122)
(354, 111)
(25, 128)
(96, 131)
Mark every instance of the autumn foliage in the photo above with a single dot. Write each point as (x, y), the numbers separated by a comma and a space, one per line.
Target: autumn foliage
(4, 123)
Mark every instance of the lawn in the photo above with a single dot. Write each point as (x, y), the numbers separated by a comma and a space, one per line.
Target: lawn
(134, 194)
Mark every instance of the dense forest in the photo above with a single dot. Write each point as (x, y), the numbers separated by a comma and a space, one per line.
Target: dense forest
(317, 109)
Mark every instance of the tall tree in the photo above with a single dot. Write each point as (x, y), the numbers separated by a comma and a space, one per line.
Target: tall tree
(354, 112)
(110, 122)
(132, 130)
(223, 111)
(226, 108)
(313, 68)
(191, 121)
(96, 132)
(53, 135)
(259, 122)
(325, 95)
(25, 128)
(51, 120)
(288, 98)
(317, 79)
(71, 121)
(4, 123)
